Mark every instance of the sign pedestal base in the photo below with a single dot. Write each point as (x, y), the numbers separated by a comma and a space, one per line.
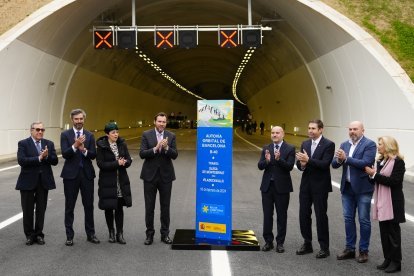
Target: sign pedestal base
(242, 240)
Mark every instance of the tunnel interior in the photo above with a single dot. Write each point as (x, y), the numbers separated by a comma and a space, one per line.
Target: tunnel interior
(313, 63)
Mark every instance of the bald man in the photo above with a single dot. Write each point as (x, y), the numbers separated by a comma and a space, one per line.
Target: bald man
(277, 160)
(356, 189)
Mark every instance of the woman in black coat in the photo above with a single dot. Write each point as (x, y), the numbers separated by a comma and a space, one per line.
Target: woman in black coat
(391, 201)
(114, 191)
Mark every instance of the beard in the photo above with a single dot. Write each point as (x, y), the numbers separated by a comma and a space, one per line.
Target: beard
(78, 126)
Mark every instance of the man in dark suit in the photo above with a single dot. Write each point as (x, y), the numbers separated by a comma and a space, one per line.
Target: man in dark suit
(36, 156)
(78, 150)
(356, 189)
(158, 148)
(314, 159)
(277, 160)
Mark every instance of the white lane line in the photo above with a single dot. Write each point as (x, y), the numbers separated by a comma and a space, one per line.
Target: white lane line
(9, 168)
(18, 166)
(10, 220)
(220, 263)
(251, 144)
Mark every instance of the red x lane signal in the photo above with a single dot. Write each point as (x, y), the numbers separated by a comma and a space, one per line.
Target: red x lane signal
(103, 39)
(164, 40)
(228, 39)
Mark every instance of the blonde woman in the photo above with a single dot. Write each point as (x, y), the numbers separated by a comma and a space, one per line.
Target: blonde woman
(388, 206)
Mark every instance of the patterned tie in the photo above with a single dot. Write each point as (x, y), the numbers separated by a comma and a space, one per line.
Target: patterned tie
(39, 149)
(276, 148)
(313, 147)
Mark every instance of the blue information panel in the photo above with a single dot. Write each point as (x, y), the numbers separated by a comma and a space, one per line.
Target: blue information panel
(214, 169)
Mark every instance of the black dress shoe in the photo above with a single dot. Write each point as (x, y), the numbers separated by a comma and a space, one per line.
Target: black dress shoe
(305, 249)
(346, 254)
(40, 240)
(29, 241)
(69, 242)
(166, 240)
(268, 246)
(149, 240)
(93, 239)
(322, 254)
(393, 267)
(384, 264)
(280, 248)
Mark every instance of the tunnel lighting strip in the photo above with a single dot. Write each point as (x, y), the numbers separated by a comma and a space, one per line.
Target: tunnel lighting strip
(243, 64)
(165, 75)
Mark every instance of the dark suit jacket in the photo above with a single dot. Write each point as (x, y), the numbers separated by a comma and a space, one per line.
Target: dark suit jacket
(278, 169)
(395, 182)
(28, 159)
(316, 177)
(364, 155)
(157, 161)
(72, 159)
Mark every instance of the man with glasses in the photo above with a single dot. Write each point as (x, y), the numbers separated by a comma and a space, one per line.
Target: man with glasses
(78, 150)
(35, 156)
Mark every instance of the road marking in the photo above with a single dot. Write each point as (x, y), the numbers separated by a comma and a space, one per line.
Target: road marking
(9, 168)
(220, 263)
(11, 220)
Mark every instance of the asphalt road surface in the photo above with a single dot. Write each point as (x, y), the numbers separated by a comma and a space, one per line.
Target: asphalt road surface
(134, 258)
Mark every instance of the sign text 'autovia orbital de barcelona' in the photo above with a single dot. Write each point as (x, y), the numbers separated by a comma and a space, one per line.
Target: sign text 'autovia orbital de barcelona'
(214, 169)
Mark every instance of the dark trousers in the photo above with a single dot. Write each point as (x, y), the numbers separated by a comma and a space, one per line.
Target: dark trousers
(272, 199)
(71, 188)
(119, 217)
(30, 199)
(150, 194)
(320, 205)
(391, 240)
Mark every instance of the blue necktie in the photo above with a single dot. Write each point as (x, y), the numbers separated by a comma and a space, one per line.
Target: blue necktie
(80, 153)
(39, 149)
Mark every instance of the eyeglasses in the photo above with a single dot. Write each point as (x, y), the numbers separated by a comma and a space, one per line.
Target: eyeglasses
(39, 129)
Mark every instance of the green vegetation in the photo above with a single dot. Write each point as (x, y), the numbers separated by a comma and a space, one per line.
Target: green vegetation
(391, 22)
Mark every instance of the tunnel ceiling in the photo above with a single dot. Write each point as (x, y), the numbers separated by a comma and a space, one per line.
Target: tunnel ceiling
(207, 70)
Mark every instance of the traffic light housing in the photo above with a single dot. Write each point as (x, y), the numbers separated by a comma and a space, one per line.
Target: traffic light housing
(164, 39)
(126, 39)
(187, 39)
(103, 38)
(228, 38)
(252, 38)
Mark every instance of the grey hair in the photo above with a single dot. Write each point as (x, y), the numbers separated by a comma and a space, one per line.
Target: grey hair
(76, 112)
(35, 123)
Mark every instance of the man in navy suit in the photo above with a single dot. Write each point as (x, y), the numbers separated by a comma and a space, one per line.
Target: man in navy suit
(158, 148)
(36, 156)
(78, 150)
(356, 189)
(314, 160)
(277, 160)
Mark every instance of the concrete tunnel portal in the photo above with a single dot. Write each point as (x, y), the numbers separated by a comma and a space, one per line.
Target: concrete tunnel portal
(314, 63)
